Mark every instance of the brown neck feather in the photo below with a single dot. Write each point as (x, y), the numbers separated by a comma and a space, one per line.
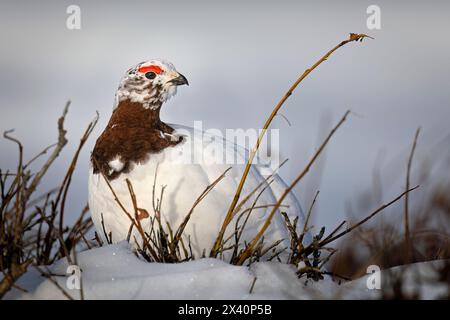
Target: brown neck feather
(131, 114)
(132, 135)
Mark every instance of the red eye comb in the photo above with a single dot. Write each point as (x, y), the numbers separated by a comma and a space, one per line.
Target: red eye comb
(154, 69)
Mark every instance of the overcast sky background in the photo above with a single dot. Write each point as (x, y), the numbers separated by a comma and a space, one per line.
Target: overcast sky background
(240, 57)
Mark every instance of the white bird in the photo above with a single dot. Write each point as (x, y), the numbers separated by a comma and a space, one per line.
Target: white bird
(136, 145)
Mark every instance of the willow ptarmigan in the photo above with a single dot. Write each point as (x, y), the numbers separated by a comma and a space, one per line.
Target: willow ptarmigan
(136, 145)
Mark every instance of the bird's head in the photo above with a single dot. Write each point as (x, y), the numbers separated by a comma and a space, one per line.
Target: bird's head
(150, 83)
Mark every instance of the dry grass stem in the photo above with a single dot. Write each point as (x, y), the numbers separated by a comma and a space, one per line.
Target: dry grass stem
(32, 230)
(408, 248)
(230, 214)
(250, 247)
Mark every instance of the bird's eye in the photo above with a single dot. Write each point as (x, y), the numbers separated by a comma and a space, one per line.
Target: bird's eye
(150, 75)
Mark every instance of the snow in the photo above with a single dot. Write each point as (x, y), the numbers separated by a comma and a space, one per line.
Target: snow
(419, 278)
(115, 272)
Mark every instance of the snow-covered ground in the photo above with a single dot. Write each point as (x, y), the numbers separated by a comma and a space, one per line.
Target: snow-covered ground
(114, 272)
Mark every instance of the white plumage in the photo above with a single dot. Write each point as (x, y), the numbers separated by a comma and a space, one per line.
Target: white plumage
(184, 182)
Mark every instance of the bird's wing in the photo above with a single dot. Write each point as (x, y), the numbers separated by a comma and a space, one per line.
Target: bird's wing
(255, 177)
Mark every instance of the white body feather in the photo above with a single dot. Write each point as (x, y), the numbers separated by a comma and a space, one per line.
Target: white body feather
(184, 182)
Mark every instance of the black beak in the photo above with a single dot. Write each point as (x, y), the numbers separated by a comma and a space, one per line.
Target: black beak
(180, 80)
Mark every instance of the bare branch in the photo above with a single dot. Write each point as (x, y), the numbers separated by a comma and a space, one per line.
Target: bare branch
(62, 141)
